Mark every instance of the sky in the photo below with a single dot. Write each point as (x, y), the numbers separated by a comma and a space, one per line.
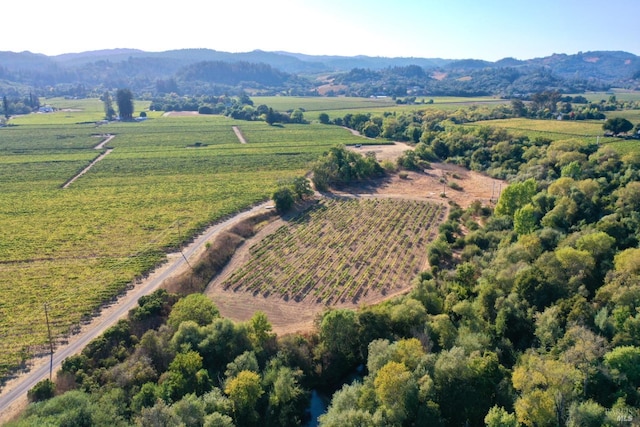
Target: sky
(450, 29)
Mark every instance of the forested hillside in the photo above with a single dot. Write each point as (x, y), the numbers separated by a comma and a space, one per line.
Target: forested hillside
(527, 314)
(201, 72)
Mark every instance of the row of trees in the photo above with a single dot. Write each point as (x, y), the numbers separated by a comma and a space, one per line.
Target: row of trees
(11, 106)
(124, 101)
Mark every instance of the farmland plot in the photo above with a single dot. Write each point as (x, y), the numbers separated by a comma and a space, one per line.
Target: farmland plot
(342, 251)
(78, 248)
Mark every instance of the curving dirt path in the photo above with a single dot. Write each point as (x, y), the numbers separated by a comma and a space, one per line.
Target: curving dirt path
(96, 160)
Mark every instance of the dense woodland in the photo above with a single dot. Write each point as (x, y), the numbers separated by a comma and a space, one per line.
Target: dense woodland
(527, 316)
(198, 72)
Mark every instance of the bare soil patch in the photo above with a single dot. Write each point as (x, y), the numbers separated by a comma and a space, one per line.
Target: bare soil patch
(428, 185)
(180, 113)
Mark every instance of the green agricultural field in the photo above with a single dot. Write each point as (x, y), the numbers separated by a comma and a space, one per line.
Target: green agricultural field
(621, 95)
(632, 115)
(586, 130)
(339, 106)
(78, 247)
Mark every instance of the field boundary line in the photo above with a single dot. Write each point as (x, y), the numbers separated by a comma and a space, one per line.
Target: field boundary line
(239, 134)
(96, 160)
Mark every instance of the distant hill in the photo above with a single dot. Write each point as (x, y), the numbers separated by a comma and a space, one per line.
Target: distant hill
(83, 73)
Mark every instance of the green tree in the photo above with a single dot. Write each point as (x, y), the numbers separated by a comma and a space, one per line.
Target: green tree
(371, 130)
(259, 331)
(323, 118)
(524, 220)
(628, 197)
(158, 415)
(271, 116)
(283, 199)
(5, 107)
(186, 374)
(518, 108)
(124, 100)
(617, 125)
(286, 397)
(297, 116)
(395, 388)
(302, 187)
(547, 388)
(190, 409)
(515, 196)
(587, 414)
(247, 361)
(217, 419)
(337, 330)
(109, 112)
(624, 363)
(43, 390)
(195, 307)
(244, 391)
(499, 417)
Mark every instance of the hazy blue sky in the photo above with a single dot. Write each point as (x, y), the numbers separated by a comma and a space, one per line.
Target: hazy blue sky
(455, 29)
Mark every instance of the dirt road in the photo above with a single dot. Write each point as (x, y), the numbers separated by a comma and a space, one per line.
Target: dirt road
(96, 160)
(14, 395)
(239, 135)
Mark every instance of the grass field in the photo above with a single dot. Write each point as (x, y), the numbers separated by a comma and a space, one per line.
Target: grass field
(76, 248)
(339, 106)
(585, 130)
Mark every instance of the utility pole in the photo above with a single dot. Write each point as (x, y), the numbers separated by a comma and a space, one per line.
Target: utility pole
(46, 315)
(180, 247)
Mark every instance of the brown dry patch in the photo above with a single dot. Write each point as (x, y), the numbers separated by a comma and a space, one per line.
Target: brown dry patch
(180, 113)
(438, 75)
(427, 185)
(383, 152)
(325, 89)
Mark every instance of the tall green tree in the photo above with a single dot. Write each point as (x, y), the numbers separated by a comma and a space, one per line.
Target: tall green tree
(617, 125)
(516, 196)
(109, 112)
(244, 391)
(124, 99)
(5, 107)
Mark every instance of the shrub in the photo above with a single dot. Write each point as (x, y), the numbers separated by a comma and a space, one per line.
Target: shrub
(283, 199)
(43, 390)
(455, 186)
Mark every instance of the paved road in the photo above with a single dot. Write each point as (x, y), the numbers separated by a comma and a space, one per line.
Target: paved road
(16, 394)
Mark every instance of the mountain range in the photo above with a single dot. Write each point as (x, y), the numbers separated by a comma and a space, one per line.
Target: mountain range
(305, 74)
